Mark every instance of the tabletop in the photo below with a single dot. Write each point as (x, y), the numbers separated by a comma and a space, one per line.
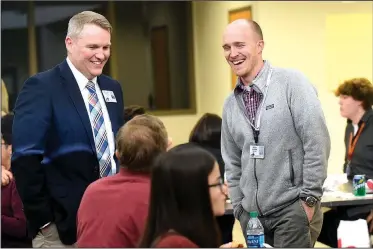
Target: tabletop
(343, 196)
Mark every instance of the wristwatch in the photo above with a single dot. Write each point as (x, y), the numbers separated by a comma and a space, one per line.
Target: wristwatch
(309, 200)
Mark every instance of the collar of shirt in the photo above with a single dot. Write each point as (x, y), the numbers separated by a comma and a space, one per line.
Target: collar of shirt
(259, 81)
(367, 115)
(79, 77)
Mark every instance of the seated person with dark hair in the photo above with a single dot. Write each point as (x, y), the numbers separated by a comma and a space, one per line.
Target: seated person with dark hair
(13, 220)
(114, 209)
(131, 111)
(187, 193)
(206, 134)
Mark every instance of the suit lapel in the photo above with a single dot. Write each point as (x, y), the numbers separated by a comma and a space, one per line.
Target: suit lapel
(76, 97)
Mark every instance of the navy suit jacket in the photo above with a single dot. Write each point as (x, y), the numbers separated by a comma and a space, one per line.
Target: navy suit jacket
(54, 155)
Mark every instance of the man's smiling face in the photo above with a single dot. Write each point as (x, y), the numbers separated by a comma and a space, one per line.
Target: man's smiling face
(242, 48)
(90, 51)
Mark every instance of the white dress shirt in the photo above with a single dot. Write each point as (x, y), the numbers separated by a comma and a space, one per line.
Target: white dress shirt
(356, 128)
(82, 83)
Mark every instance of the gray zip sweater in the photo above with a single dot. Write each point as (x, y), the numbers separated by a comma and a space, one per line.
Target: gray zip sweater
(296, 140)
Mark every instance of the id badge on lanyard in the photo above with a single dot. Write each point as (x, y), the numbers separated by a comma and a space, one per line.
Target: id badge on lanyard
(351, 148)
(257, 150)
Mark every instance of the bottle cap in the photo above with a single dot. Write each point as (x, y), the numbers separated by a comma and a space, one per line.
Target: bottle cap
(253, 214)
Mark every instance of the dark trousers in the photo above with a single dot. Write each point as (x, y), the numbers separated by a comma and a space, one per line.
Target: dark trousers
(328, 235)
(226, 223)
(289, 227)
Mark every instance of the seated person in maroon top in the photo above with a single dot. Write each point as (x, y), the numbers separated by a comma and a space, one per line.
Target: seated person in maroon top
(6, 176)
(114, 209)
(13, 220)
(6, 149)
(187, 192)
(173, 239)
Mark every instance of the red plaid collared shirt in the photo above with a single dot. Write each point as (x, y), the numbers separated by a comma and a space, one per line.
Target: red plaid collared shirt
(251, 99)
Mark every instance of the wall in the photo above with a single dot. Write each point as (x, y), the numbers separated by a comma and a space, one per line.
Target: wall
(352, 34)
(295, 34)
(17, 56)
(133, 79)
(50, 42)
(134, 48)
(173, 15)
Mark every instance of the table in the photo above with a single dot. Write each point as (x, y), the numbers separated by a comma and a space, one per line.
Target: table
(342, 197)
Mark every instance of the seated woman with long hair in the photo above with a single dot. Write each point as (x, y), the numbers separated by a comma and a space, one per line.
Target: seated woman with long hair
(187, 192)
(206, 134)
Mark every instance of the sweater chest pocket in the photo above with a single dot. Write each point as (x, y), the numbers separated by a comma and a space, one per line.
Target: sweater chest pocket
(241, 135)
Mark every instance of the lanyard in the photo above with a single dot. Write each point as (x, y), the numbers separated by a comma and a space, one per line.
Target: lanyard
(352, 145)
(256, 126)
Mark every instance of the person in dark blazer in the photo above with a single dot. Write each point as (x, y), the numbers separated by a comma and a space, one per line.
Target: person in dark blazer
(206, 133)
(65, 122)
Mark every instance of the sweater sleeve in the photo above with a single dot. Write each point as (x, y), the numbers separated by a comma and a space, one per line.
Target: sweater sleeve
(15, 225)
(310, 124)
(231, 154)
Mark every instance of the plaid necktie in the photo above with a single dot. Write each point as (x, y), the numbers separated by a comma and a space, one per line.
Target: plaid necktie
(100, 135)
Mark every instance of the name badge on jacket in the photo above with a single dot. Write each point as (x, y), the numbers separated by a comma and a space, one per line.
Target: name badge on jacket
(109, 96)
(257, 151)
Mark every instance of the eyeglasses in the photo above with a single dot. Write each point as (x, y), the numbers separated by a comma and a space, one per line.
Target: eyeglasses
(220, 184)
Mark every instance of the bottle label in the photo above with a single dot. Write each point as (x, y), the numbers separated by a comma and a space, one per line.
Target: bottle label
(255, 241)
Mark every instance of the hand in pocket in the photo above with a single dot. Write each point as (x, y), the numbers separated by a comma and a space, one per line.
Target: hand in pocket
(310, 211)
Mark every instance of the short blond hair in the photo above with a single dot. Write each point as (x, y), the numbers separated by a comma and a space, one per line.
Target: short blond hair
(77, 22)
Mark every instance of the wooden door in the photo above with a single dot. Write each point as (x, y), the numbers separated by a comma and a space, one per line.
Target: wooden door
(161, 67)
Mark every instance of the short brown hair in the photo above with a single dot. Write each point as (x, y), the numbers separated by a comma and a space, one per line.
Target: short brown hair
(360, 89)
(131, 111)
(140, 141)
(77, 22)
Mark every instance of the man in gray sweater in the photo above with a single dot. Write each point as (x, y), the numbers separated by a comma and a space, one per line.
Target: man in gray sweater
(275, 143)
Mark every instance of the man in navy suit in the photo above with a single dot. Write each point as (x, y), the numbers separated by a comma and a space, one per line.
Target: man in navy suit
(65, 122)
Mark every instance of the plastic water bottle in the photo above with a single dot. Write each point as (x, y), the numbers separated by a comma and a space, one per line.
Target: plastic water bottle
(254, 232)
